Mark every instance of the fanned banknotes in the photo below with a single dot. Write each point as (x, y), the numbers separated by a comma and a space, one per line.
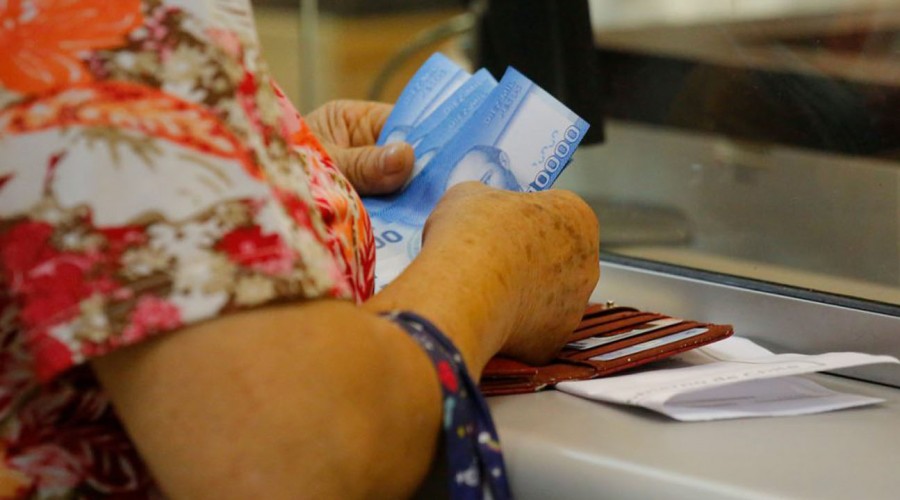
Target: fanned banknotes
(512, 135)
(432, 84)
(466, 96)
(437, 130)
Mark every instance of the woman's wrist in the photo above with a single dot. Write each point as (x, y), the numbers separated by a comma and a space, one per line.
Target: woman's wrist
(469, 303)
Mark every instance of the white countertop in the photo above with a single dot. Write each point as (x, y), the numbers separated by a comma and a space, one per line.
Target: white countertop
(560, 446)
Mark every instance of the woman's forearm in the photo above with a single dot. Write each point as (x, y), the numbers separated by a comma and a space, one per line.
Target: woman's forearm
(327, 399)
(321, 399)
(317, 400)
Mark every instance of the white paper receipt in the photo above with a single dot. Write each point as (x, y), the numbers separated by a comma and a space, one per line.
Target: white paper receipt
(730, 379)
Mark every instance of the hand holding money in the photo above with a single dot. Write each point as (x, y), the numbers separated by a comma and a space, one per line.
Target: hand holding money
(348, 130)
(503, 272)
(509, 134)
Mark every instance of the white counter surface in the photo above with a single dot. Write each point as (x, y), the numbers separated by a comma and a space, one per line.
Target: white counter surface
(563, 447)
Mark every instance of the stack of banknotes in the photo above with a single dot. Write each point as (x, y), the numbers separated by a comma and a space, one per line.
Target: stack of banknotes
(509, 134)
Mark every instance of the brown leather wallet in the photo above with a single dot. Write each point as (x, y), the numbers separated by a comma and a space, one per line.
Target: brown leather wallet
(608, 340)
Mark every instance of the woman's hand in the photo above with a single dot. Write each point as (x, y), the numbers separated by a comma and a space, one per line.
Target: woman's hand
(502, 272)
(542, 247)
(348, 131)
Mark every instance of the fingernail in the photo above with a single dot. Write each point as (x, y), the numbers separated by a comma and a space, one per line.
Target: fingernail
(393, 161)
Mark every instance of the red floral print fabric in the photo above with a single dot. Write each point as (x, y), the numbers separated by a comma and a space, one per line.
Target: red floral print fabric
(151, 176)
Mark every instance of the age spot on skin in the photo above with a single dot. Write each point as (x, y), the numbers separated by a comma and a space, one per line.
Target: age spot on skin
(531, 209)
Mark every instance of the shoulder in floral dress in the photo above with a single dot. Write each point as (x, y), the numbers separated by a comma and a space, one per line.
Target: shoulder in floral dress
(151, 176)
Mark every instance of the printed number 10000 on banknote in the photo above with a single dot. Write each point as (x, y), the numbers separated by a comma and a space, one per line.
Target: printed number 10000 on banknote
(519, 139)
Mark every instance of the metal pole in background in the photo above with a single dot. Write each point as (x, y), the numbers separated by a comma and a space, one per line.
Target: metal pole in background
(309, 55)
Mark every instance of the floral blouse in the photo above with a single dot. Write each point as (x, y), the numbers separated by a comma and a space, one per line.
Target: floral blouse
(151, 176)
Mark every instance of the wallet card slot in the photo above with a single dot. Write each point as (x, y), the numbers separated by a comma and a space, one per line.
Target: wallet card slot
(640, 354)
(650, 344)
(600, 319)
(601, 310)
(614, 325)
(597, 341)
(630, 341)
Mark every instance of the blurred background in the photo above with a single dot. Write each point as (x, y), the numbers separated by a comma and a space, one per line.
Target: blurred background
(755, 140)
(337, 48)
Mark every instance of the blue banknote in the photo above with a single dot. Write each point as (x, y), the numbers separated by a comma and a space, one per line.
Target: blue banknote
(437, 130)
(520, 138)
(464, 95)
(432, 84)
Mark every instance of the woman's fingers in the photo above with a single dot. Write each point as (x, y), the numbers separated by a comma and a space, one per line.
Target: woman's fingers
(348, 123)
(348, 130)
(374, 170)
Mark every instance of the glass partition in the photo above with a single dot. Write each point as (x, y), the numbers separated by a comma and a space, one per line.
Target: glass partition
(757, 139)
(752, 138)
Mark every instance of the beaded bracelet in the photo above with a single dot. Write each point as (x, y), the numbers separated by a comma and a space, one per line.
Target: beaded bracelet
(473, 447)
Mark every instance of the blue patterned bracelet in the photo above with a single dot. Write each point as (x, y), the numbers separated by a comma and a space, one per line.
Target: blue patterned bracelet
(473, 447)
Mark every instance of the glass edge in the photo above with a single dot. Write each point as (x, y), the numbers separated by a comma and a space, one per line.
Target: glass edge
(746, 283)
